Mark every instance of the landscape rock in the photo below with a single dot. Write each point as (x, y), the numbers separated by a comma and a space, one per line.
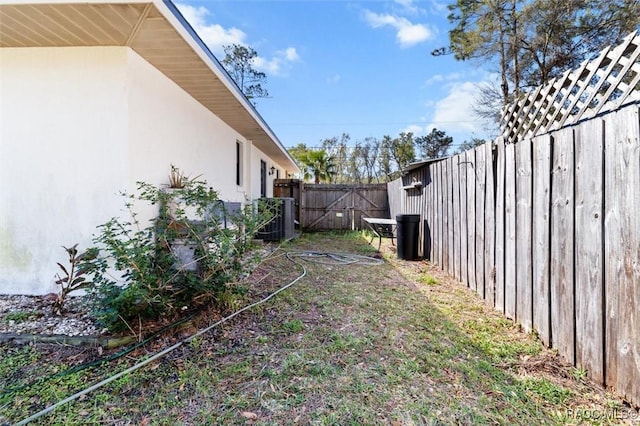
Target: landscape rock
(22, 314)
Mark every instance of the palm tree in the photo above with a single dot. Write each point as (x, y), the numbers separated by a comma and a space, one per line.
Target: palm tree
(319, 165)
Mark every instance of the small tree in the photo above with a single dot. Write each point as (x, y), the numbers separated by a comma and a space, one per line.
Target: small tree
(239, 62)
(470, 144)
(385, 159)
(369, 152)
(337, 149)
(402, 150)
(434, 145)
(395, 154)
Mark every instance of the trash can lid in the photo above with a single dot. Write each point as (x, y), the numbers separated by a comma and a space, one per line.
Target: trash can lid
(408, 218)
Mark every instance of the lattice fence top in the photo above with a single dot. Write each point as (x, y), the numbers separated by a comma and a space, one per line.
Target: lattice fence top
(604, 84)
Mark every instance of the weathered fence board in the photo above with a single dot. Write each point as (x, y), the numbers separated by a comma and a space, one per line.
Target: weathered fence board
(447, 209)
(542, 237)
(479, 253)
(500, 228)
(463, 218)
(589, 228)
(394, 193)
(622, 245)
(289, 188)
(442, 208)
(510, 260)
(524, 266)
(553, 225)
(450, 216)
(562, 229)
(436, 205)
(455, 190)
(490, 227)
(470, 236)
(342, 207)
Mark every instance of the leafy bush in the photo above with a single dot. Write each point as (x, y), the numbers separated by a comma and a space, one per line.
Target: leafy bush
(183, 258)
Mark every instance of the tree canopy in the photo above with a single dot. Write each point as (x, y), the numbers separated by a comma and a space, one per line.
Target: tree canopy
(532, 41)
(239, 63)
(435, 144)
(316, 164)
(470, 144)
(371, 160)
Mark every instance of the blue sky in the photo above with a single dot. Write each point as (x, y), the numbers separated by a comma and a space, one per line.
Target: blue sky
(359, 67)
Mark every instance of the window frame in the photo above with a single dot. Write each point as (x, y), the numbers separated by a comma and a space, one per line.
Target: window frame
(239, 163)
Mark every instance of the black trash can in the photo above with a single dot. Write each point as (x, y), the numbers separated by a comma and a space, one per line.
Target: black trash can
(407, 236)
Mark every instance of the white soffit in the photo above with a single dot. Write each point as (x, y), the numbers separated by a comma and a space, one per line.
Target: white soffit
(157, 32)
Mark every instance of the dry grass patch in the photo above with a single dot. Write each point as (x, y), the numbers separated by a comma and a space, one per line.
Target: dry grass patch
(347, 345)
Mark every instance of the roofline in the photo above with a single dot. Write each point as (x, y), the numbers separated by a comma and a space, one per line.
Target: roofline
(26, 2)
(260, 130)
(221, 73)
(418, 164)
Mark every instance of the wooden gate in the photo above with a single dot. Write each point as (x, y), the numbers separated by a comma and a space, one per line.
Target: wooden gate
(341, 207)
(289, 188)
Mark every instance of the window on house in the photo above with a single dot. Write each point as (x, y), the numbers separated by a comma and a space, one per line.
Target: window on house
(263, 179)
(238, 163)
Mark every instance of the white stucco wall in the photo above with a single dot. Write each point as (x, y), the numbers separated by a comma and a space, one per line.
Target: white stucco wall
(256, 156)
(167, 126)
(78, 125)
(63, 144)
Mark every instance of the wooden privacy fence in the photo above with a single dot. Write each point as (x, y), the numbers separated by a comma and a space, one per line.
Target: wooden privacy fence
(548, 231)
(334, 207)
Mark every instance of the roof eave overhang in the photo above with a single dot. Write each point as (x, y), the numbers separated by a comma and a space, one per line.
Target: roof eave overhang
(419, 164)
(158, 32)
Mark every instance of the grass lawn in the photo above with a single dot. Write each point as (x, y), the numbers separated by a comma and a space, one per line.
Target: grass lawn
(396, 343)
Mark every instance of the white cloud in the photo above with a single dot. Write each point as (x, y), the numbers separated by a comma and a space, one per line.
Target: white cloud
(408, 5)
(454, 112)
(279, 64)
(439, 8)
(291, 54)
(415, 129)
(215, 36)
(440, 78)
(437, 78)
(408, 33)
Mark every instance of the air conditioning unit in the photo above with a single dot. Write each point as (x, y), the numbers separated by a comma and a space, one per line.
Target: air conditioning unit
(282, 226)
(223, 213)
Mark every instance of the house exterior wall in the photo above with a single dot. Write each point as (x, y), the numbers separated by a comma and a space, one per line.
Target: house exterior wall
(167, 126)
(79, 125)
(254, 177)
(63, 154)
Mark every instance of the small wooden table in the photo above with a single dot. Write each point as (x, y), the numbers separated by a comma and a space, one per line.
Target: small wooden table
(381, 228)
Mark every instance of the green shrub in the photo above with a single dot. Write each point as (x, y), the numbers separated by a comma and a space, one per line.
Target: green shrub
(183, 258)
